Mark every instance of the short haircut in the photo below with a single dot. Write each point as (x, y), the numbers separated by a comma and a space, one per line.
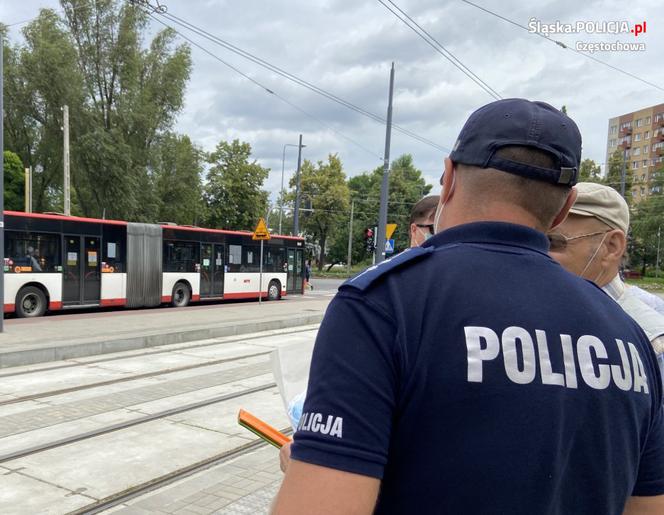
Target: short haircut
(541, 199)
(423, 208)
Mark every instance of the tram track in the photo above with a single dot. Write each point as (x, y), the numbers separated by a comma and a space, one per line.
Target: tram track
(22, 453)
(241, 339)
(156, 373)
(154, 484)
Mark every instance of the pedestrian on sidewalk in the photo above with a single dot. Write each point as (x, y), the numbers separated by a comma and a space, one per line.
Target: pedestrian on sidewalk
(421, 220)
(473, 374)
(307, 275)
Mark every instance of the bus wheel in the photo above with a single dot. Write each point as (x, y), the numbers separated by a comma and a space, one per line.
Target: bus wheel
(274, 291)
(30, 302)
(181, 295)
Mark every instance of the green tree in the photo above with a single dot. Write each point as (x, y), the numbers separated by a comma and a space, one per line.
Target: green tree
(40, 77)
(323, 190)
(406, 186)
(177, 167)
(614, 174)
(132, 95)
(233, 193)
(590, 171)
(647, 220)
(14, 182)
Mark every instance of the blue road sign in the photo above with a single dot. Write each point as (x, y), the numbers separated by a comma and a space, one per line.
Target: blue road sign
(389, 247)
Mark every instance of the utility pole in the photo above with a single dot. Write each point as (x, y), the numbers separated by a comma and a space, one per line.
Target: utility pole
(28, 189)
(350, 234)
(2, 188)
(296, 214)
(384, 188)
(65, 129)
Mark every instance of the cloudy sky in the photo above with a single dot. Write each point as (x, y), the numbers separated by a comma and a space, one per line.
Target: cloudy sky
(346, 47)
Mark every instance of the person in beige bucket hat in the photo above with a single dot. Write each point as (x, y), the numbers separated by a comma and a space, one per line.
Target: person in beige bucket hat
(592, 242)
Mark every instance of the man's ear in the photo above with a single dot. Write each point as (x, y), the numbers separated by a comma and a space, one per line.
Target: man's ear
(616, 244)
(562, 214)
(448, 181)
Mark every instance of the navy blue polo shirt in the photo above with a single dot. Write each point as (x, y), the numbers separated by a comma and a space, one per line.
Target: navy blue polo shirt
(476, 375)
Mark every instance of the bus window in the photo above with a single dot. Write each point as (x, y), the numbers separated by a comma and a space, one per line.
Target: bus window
(32, 252)
(114, 247)
(181, 256)
(234, 258)
(274, 260)
(251, 262)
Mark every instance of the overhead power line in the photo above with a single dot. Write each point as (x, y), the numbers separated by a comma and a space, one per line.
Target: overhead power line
(437, 46)
(297, 80)
(563, 45)
(265, 88)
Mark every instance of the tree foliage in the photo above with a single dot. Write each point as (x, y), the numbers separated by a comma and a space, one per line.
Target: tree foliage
(406, 187)
(590, 171)
(325, 192)
(233, 192)
(122, 93)
(14, 183)
(614, 174)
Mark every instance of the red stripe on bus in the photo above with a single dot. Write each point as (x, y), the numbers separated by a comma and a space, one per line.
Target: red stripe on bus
(63, 217)
(195, 298)
(166, 298)
(55, 305)
(243, 295)
(113, 302)
(9, 308)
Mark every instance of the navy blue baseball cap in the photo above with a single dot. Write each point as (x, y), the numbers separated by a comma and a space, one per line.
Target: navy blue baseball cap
(517, 121)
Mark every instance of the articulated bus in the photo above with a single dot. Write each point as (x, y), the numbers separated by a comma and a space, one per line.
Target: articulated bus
(55, 262)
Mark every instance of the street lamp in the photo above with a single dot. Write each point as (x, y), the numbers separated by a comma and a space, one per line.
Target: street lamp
(281, 192)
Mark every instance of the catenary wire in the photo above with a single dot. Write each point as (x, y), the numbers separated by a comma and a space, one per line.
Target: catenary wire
(289, 76)
(265, 88)
(437, 46)
(563, 45)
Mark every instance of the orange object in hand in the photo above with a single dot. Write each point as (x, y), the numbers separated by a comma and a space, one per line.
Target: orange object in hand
(262, 429)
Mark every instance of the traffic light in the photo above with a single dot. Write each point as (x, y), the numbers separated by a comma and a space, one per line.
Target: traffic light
(369, 239)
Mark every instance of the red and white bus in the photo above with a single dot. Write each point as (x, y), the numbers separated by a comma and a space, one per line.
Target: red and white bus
(55, 262)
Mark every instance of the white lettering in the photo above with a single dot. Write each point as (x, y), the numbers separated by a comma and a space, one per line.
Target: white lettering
(315, 422)
(622, 375)
(510, 336)
(337, 427)
(568, 358)
(548, 375)
(326, 428)
(601, 380)
(477, 354)
(640, 378)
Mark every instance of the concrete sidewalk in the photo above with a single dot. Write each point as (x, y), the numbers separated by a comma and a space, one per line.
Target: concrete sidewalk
(51, 338)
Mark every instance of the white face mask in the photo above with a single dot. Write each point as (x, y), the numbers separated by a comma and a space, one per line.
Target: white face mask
(441, 206)
(591, 260)
(425, 233)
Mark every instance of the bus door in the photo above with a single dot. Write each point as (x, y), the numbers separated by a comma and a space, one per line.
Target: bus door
(212, 270)
(218, 274)
(290, 270)
(81, 282)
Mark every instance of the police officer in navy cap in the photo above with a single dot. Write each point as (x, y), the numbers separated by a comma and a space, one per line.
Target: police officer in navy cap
(473, 374)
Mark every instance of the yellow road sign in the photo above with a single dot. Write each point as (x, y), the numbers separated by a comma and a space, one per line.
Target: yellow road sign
(389, 231)
(261, 232)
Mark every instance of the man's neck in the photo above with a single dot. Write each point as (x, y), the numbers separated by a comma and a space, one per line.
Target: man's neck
(498, 212)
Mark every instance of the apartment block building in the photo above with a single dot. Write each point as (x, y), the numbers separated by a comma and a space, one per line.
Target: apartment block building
(640, 137)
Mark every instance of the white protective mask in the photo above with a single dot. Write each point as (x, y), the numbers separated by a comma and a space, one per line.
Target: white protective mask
(441, 206)
(591, 260)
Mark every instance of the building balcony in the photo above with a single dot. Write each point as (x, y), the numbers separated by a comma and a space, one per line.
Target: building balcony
(626, 131)
(625, 145)
(659, 152)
